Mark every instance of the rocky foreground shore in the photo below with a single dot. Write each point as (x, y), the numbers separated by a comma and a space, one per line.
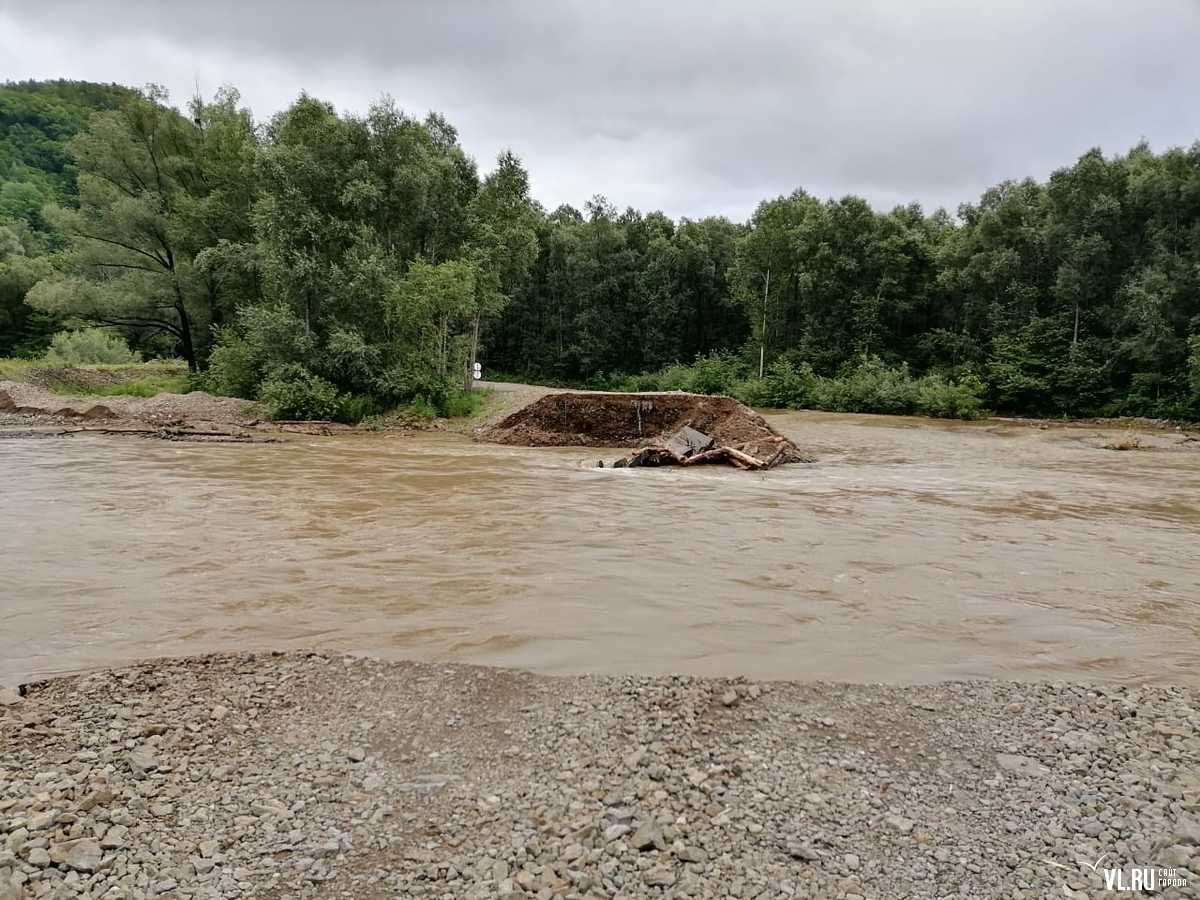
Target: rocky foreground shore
(298, 776)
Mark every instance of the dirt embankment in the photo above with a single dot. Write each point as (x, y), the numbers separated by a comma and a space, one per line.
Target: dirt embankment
(310, 776)
(56, 377)
(161, 409)
(193, 416)
(599, 419)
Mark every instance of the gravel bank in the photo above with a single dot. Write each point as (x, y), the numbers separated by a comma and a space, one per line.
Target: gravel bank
(158, 410)
(313, 776)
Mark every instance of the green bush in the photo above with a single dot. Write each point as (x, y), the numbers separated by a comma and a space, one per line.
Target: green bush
(715, 374)
(422, 409)
(292, 392)
(264, 339)
(353, 408)
(463, 403)
(786, 385)
(962, 399)
(349, 360)
(404, 383)
(233, 368)
(870, 385)
(89, 346)
(672, 378)
(1194, 373)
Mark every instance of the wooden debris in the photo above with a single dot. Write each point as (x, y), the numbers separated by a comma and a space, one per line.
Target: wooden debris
(689, 447)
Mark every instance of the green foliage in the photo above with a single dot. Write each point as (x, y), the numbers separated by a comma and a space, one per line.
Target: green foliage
(368, 252)
(943, 398)
(354, 409)
(868, 385)
(785, 385)
(292, 392)
(264, 339)
(24, 331)
(89, 345)
(233, 369)
(1194, 375)
(463, 404)
(1077, 296)
(155, 189)
(378, 255)
(37, 119)
(422, 409)
(618, 292)
(715, 374)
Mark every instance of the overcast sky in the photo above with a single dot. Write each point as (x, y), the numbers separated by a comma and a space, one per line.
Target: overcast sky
(691, 107)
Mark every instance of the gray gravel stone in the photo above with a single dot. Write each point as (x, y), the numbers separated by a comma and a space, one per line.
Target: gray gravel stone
(492, 783)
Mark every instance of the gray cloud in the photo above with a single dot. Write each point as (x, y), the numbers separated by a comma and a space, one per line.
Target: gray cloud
(691, 108)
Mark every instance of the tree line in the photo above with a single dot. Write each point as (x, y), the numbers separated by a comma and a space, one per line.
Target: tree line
(340, 264)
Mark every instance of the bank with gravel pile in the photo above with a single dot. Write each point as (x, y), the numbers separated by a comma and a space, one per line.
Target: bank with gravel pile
(313, 776)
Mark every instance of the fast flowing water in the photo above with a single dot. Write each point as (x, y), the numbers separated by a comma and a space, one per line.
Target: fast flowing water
(911, 551)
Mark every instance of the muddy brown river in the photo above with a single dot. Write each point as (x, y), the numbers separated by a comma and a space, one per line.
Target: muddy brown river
(911, 551)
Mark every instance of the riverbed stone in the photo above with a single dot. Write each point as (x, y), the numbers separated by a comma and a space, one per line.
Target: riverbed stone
(114, 838)
(649, 836)
(141, 762)
(1187, 831)
(83, 855)
(616, 786)
(1021, 765)
(659, 876)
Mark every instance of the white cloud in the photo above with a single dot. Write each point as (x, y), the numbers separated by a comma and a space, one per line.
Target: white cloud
(691, 108)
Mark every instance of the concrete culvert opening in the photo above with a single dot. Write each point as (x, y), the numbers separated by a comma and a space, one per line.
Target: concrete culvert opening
(653, 424)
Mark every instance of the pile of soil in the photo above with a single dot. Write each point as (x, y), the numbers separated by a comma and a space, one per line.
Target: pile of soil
(35, 402)
(598, 419)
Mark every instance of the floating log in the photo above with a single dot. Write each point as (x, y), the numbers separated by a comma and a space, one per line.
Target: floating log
(671, 454)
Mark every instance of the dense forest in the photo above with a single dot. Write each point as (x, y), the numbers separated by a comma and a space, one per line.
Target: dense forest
(339, 265)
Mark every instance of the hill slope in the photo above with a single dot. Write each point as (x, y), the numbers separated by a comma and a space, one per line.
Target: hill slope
(37, 118)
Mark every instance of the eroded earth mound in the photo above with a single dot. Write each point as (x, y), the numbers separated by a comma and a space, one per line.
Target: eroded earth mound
(598, 419)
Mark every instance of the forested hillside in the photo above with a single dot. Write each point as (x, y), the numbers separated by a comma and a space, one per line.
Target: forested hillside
(339, 264)
(1080, 295)
(37, 119)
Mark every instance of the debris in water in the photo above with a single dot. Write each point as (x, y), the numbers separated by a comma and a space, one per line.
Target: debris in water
(689, 447)
(667, 428)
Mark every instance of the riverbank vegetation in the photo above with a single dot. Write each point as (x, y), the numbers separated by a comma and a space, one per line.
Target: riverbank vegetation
(341, 265)
(867, 385)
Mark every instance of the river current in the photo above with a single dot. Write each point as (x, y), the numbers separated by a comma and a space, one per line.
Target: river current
(911, 551)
